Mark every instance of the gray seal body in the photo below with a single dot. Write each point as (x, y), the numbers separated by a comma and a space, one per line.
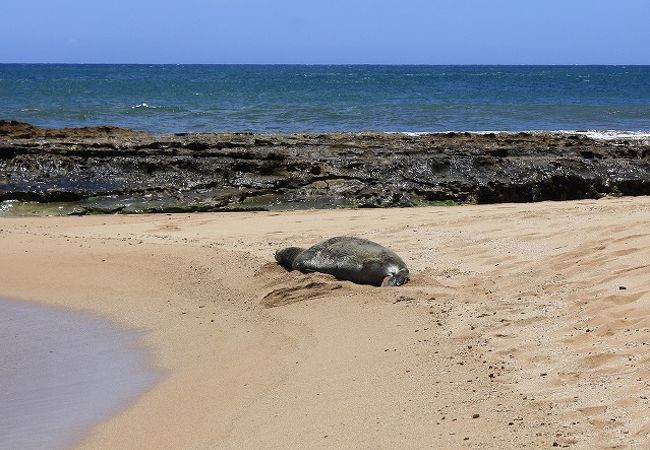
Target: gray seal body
(347, 258)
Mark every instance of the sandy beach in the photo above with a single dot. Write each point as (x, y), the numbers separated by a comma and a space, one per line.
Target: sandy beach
(524, 325)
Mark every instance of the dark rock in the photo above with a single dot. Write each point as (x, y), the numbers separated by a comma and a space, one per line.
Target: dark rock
(111, 169)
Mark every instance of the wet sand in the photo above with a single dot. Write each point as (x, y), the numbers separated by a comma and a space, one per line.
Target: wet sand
(524, 325)
(63, 371)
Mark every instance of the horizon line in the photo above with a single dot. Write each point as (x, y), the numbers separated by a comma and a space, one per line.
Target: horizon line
(324, 64)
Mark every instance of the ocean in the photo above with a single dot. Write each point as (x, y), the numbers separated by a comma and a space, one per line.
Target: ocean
(319, 98)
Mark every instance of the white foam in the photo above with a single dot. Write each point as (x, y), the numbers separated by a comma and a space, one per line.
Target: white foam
(593, 134)
(409, 133)
(6, 206)
(481, 132)
(615, 134)
(143, 105)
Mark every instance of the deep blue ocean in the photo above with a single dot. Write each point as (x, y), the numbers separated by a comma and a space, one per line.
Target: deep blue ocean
(292, 98)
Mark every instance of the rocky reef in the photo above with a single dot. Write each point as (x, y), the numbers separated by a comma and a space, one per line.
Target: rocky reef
(110, 169)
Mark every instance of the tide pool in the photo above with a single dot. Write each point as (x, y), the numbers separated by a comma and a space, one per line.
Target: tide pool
(63, 371)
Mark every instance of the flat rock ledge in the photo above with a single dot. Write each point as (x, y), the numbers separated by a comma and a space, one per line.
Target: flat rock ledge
(111, 170)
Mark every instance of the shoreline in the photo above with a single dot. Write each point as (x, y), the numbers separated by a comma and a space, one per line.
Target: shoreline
(596, 134)
(543, 304)
(66, 371)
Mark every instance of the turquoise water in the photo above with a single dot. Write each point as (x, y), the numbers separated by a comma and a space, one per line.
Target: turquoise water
(265, 98)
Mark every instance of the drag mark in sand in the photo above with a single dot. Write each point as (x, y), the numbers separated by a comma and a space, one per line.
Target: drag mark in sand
(63, 371)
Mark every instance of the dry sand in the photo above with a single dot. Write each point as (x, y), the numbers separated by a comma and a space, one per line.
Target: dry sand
(523, 325)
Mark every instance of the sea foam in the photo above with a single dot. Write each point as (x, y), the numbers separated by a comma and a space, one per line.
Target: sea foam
(143, 105)
(606, 135)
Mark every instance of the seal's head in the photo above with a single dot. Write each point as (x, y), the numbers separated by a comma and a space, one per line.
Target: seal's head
(286, 256)
(401, 277)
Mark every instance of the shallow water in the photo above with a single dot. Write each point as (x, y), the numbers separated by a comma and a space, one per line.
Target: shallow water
(63, 371)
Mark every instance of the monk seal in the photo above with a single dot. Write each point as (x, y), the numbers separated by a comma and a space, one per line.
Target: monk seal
(347, 258)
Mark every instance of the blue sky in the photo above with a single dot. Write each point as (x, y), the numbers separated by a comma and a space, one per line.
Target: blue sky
(326, 31)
